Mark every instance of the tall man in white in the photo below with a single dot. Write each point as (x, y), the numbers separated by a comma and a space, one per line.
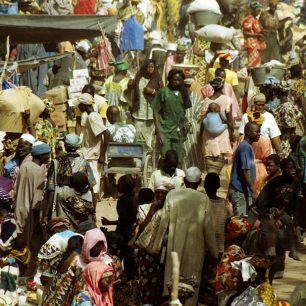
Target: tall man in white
(188, 215)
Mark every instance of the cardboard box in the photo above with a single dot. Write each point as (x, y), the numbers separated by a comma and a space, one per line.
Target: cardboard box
(57, 94)
(60, 118)
(60, 107)
(79, 73)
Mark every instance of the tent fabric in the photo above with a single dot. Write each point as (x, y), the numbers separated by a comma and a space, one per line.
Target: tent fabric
(31, 29)
(31, 63)
(132, 35)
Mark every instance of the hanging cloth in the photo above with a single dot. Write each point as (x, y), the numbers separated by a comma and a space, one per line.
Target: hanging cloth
(85, 7)
(133, 35)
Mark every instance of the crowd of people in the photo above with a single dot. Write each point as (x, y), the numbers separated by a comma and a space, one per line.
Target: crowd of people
(198, 106)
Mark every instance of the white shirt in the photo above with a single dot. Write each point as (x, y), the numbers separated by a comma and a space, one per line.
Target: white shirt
(92, 136)
(122, 133)
(269, 128)
(159, 176)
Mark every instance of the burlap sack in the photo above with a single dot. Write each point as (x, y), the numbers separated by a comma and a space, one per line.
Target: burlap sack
(13, 102)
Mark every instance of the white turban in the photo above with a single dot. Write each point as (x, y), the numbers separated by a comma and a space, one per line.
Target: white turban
(29, 138)
(193, 174)
(86, 99)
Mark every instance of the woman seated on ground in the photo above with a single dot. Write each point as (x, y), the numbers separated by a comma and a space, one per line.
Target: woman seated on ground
(99, 282)
(69, 278)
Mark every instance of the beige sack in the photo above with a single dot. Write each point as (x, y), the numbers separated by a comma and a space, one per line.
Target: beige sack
(13, 102)
(57, 94)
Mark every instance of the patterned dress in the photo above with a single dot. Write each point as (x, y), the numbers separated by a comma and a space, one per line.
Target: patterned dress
(151, 271)
(253, 44)
(44, 131)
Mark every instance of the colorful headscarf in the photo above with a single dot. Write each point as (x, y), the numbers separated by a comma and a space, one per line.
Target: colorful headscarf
(93, 273)
(92, 237)
(57, 222)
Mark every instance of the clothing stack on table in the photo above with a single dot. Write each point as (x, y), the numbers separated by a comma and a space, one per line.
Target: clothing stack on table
(58, 96)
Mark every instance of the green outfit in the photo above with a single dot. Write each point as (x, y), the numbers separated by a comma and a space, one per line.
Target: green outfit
(170, 106)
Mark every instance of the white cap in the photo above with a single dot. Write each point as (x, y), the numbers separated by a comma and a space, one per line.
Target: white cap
(28, 137)
(193, 174)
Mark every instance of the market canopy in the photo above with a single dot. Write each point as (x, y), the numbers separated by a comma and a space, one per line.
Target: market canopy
(31, 29)
(31, 63)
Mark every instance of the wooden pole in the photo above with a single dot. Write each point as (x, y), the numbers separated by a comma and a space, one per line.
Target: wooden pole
(175, 279)
(7, 56)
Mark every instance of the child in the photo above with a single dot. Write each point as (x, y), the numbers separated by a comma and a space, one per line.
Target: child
(221, 208)
(215, 122)
(273, 167)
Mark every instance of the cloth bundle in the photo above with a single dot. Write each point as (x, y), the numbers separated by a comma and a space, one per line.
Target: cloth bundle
(207, 5)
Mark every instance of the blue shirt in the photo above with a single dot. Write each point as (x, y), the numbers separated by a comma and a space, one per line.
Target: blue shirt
(244, 159)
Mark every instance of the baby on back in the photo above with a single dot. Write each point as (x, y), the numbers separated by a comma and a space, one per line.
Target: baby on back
(215, 122)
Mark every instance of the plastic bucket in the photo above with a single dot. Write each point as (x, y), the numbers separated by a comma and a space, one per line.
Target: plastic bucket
(279, 73)
(203, 18)
(259, 75)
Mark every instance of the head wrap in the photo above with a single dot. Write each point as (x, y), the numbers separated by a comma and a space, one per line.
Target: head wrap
(73, 140)
(193, 174)
(120, 66)
(28, 137)
(40, 148)
(86, 99)
(93, 273)
(259, 98)
(92, 237)
(57, 222)
(86, 226)
(49, 105)
(217, 83)
(255, 5)
(163, 185)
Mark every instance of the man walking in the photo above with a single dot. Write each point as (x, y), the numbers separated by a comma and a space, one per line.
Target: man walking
(187, 213)
(242, 189)
(169, 107)
(95, 139)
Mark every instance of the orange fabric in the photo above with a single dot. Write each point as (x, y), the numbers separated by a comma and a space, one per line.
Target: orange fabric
(253, 44)
(262, 149)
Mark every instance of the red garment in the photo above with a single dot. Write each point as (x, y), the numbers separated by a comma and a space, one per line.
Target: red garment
(85, 7)
(253, 44)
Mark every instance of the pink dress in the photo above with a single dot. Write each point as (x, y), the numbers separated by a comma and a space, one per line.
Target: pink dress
(217, 145)
(208, 91)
